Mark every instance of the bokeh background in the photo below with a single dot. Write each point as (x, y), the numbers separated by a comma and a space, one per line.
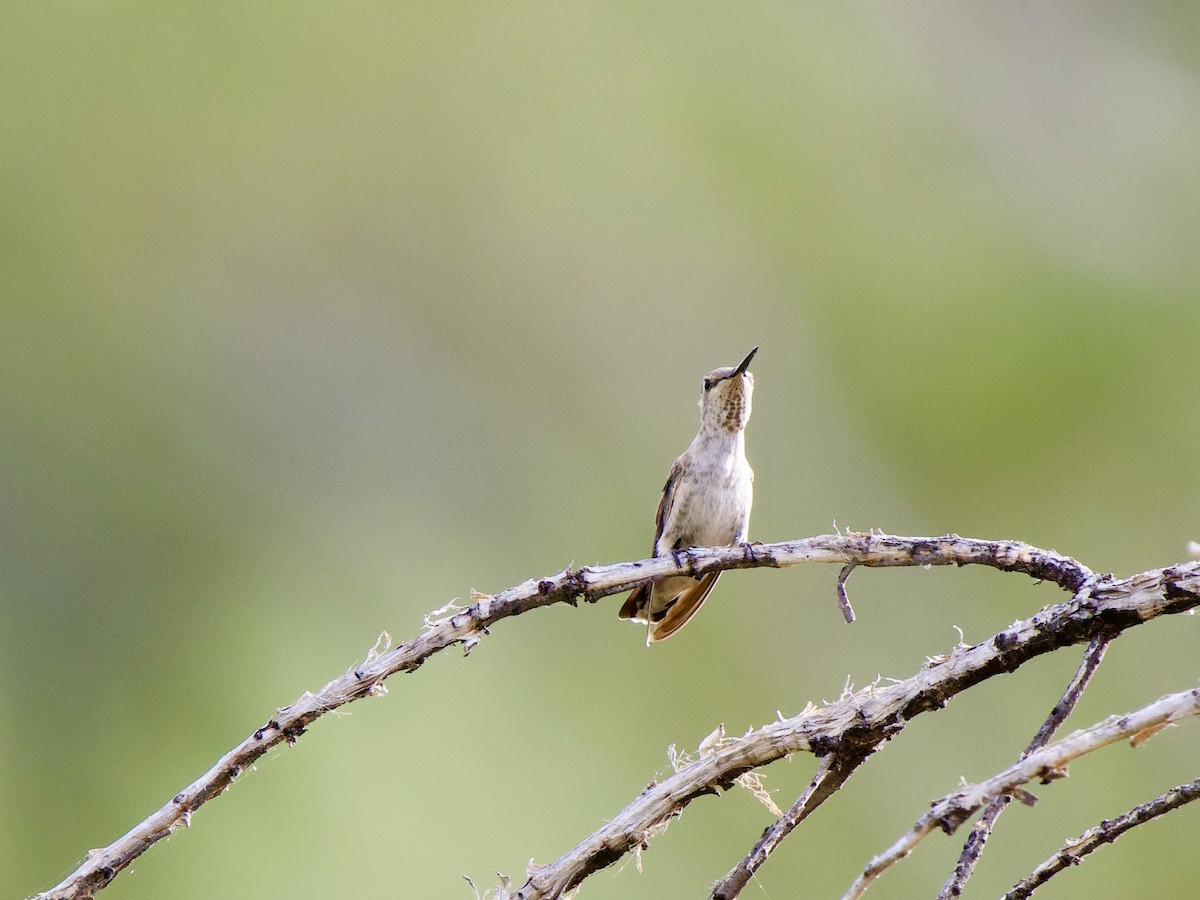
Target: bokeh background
(317, 316)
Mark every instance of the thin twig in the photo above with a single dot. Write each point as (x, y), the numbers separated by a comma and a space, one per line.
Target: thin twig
(1073, 851)
(831, 774)
(982, 830)
(843, 597)
(1046, 764)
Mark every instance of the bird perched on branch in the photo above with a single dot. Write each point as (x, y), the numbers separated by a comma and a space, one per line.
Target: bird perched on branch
(705, 503)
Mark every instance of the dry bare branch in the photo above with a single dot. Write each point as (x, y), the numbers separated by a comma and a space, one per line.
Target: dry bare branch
(1122, 603)
(1046, 764)
(1073, 851)
(856, 724)
(843, 597)
(832, 772)
(973, 848)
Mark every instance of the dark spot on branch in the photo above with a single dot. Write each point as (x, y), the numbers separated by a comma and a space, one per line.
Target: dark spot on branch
(545, 586)
(292, 734)
(949, 823)
(923, 552)
(575, 584)
(1120, 619)
(1179, 598)
(821, 745)
(604, 858)
(1049, 774)
(860, 740)
(725, 782)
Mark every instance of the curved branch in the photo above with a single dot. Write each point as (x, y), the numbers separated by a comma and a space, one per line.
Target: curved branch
(1047, 764)
(856, 724)
(466, 626)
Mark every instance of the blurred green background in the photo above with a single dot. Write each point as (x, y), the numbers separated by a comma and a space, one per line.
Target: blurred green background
(316, 316)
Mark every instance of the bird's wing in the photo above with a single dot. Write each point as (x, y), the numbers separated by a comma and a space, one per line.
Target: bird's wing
(666, 503)
(637, 604)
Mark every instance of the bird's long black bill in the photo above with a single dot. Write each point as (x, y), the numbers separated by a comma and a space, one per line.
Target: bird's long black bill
(745, 363)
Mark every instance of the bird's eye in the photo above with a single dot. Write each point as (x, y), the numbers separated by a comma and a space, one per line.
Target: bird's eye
(708, 383)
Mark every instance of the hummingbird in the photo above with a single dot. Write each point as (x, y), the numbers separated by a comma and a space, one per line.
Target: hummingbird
(705, 502)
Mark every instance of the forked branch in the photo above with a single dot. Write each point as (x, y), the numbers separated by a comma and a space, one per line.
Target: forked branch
(1110, 604)
(1046, 764)
(973, 848)
(853, 726)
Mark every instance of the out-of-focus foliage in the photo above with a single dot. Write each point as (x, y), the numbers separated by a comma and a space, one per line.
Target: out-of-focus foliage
(316, 316)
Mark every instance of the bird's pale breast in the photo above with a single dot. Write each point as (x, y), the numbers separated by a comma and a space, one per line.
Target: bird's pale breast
(711, 507)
